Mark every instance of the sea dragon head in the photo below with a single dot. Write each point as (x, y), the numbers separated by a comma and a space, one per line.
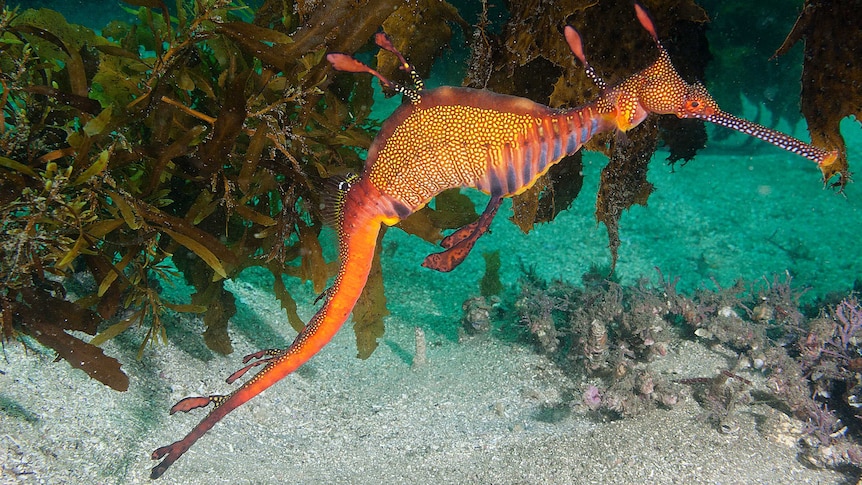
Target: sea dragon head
(660, 89)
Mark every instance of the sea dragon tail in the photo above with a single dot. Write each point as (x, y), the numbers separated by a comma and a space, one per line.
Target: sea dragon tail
(362, 212)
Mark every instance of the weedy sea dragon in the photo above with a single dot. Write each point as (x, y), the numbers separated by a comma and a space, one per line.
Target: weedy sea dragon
(459, 137)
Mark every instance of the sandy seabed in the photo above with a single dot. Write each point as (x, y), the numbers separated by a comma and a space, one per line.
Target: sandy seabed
(485, 409)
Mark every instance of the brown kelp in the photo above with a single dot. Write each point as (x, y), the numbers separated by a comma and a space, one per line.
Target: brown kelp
(831, 76)
(206, 133)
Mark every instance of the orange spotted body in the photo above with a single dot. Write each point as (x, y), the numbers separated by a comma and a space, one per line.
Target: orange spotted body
(459, 137)
(448, 153)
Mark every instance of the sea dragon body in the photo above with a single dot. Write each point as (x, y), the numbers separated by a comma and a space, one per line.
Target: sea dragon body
(459, 137)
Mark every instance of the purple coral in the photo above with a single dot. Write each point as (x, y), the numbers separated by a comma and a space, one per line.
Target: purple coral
(849, 316)
(592, 398)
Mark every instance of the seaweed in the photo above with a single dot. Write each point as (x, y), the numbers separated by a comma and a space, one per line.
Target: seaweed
(807, 367)
(371, 308)
(623, 182)
(490, 283)
(831, 76)
(41, 310)
(196, 142)
(564, 183)
(451, 210)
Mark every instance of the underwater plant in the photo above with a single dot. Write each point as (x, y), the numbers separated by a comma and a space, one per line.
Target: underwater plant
(809, 363)
(831, 78)
(195, 141)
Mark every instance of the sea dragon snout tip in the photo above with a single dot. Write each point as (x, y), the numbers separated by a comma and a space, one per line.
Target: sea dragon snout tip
(828, 160)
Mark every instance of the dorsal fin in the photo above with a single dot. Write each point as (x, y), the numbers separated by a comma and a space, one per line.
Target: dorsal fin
(648, 24)
(385, 42)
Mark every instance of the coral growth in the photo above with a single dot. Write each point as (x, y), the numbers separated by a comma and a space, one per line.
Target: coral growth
(478, 312)
(608, 333)
(720, 396)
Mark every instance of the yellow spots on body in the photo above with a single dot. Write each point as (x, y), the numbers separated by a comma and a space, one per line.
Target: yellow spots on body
(444, 146)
